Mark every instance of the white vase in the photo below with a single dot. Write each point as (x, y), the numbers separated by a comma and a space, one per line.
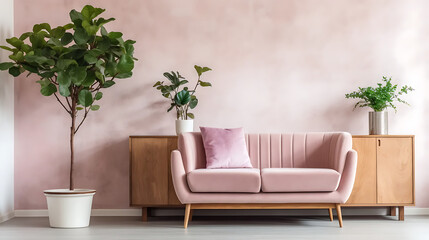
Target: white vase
(184, 126)
(69, 208)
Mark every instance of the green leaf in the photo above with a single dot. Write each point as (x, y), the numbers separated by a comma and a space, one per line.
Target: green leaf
(68, 26)
(76, 16)
(7, 48)
(95, 107)
(17, 57)
(38, 40)
(15, 42)
(6, 65)
(76, 74)
(85, 98)
(30, 68)
(124, 75)
(48, 90)
(26, 48)
(40, 27)
(182, 98)
(102, 21)
(58, 32)
(126, 64)
(103, 31)
(108, 84)
(114, 35)
(63, 64)
(205, 84)
(64, 90)
(200, 70)
(191, 115)
(66, 39)
(89, 80)
(81, 36)
(25, 35)
(98, 96)
(14, 71)
(90, 59)
(89, 12)
(64, 79)
(89, 28)
(47, 74)
(193, 103)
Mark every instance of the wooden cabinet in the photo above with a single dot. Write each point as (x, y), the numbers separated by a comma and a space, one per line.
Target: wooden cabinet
(384, 176)
(385, 172)
(150, 176)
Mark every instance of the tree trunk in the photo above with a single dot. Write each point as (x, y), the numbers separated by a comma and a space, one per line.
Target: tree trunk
(72, 132)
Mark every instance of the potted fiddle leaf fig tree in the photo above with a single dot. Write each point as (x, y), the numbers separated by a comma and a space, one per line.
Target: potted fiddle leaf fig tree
(379, 99)
(182, 99)
(73, 63)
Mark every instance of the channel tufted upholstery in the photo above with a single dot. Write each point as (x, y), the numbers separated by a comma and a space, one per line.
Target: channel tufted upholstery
(327, 157)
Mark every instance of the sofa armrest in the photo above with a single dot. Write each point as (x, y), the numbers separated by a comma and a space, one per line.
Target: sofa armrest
(348, 176)
(178, 175)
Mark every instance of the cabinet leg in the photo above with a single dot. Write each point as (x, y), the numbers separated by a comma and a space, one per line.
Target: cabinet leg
(144, 214)
(392, 211)
(401, 213)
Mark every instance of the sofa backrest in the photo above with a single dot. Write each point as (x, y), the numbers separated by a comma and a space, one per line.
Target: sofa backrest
(297, 150)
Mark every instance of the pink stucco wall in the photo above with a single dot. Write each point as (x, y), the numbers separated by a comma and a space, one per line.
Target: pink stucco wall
(278, 66)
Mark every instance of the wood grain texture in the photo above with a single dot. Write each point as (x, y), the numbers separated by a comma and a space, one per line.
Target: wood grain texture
(395, 178)
(339, 215)
(365, 186)
(149, 171)
(172, 197)
(392, 211)
(187, 214)
(263, 205)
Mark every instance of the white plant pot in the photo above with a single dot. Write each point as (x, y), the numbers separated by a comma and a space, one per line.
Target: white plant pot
(69, 209)
(184, 126)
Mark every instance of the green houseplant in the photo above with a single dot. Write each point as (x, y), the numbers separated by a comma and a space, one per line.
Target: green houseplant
(182, 99)
(73, 64)
(379, 98)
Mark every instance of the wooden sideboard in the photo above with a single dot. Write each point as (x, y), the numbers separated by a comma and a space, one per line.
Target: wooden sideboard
(384, 177)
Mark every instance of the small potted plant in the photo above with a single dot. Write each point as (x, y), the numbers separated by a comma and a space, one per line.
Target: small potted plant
(182, 99)
(74, 63)
(379, 99)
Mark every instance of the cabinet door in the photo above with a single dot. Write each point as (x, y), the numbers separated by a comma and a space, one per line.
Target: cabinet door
(149, 171)
(395, 170)
(364, 188)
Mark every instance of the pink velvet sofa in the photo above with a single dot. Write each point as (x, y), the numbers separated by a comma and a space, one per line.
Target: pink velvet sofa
(290, 171)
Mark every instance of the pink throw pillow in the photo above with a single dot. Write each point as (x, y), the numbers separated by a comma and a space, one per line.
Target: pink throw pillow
(225, 148)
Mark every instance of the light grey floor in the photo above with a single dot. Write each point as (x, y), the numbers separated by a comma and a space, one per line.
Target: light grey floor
(223, 228)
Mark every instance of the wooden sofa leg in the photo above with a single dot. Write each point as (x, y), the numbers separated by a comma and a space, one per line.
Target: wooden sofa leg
(340, 217)
(187, 214)
(392, 211)
(190, 215)
(331, 217)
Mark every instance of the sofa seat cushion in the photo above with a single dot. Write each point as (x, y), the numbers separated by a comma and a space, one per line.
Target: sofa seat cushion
(237, 180)
(299, 179)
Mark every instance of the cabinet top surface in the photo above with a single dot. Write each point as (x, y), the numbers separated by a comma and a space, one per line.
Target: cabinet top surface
(153, 136)
(383, 136)
(355, 136)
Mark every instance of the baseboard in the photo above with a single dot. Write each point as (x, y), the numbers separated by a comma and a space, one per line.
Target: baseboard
(94, 212)
(4, 218)
(410, 211)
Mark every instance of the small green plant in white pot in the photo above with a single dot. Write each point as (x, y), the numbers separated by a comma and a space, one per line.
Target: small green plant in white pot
(379, 99)
(182, 99)
(74, 63)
